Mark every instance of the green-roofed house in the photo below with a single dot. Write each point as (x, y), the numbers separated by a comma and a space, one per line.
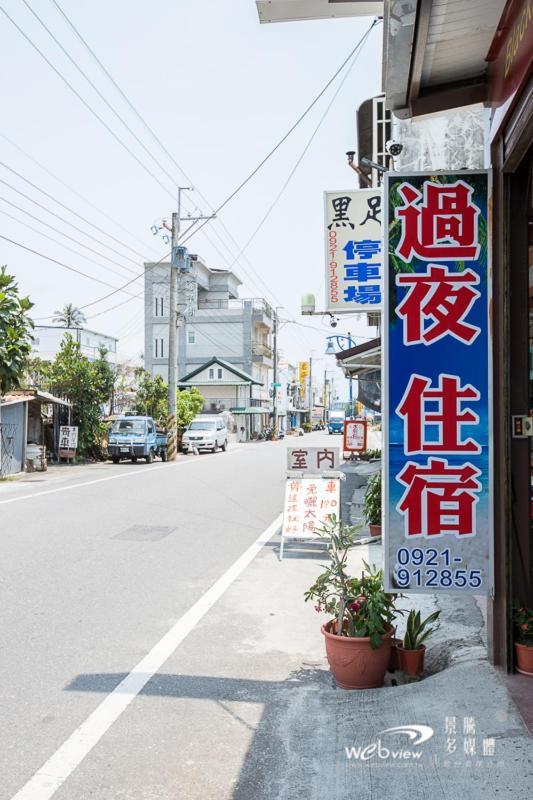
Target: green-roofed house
(228, 390)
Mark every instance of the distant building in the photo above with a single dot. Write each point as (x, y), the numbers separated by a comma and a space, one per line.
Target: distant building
(218, 325)
(47, 342)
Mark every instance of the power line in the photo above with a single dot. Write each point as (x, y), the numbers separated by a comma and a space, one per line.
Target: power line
(76, 228)
(85, 103)
(74, 191)
(67, 208)
(286, 135)
(70, 268)
(67, 236)
(306, 148)
(174, 161)
(98, 92)
(51, 238)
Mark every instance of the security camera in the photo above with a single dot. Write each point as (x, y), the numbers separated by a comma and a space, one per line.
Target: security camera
(333, 322)
(394, 148)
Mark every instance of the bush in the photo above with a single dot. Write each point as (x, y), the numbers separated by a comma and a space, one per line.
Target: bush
(372, 500)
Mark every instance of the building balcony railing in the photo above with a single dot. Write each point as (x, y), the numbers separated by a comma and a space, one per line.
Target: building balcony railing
(261, 349)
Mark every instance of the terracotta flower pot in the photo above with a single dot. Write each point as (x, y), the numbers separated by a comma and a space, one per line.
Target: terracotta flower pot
(394, 660)
(524, 658)
(411, 661)
(353, 662)
(375, 530)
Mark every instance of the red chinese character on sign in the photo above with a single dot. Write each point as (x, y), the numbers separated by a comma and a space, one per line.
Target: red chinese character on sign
(439, 498)
(448, 418)
(443, 225)
(331, 486)
(440, 298)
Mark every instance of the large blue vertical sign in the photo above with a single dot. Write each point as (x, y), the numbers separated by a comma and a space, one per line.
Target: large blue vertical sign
(437, 390)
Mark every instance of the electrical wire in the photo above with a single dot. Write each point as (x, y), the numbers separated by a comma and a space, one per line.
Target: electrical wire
(307, 146)
(85, 103)
(76, 228)
(74, 191)
(71, 210)
(291, 129)
(70, 268)
(51, 238)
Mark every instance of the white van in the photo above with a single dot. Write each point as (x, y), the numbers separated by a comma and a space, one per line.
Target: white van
(205, 433)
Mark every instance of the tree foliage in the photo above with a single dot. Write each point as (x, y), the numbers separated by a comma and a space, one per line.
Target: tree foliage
(15, 332)
(152, 400)
(88, 385)
(70, 316)
(151, 397)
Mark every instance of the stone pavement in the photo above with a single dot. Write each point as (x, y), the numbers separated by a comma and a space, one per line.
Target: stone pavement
(290, 727)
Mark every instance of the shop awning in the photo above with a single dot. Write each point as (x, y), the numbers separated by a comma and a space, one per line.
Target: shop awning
(27, 395)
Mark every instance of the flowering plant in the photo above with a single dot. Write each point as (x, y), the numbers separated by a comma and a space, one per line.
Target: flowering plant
(523, 625)
(360, 604)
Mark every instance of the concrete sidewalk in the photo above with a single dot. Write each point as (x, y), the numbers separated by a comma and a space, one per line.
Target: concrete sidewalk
(280, 727)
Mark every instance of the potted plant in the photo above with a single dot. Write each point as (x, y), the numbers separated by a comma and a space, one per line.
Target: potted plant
(523, 636)
(358, 637)
(372, 504)
(412, 650)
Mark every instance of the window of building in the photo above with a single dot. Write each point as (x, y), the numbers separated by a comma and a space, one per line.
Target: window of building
(211, 374)
(191, 337)
(158, 348)
(219, 374)
(158, 311)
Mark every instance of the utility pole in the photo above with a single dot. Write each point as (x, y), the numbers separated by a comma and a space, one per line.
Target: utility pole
(275, 377)
(311, 391)
(178, 266)
(325, 396)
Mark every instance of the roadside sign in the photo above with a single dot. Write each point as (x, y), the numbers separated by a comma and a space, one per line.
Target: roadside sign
(308, 504)
(437, 398)
(68, 441)
(354, 252)
(312, 460)
(355, 435)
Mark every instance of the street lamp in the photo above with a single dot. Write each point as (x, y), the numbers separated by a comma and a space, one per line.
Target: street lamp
(336, 341)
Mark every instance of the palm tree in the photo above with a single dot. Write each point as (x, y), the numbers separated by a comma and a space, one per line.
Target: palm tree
(69, 316)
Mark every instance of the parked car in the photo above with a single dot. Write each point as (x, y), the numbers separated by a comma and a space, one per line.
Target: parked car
(136, 437)
(205, 433)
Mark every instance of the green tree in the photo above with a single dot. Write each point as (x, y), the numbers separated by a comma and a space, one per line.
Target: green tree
(15, 332)
(189, 404)
(88, 386)
(151, 397)
(70, 316)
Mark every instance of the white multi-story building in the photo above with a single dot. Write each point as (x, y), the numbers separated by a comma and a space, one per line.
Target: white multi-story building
(47, 342)
(218, 325)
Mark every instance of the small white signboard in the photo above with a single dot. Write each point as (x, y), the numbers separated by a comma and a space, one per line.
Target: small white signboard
(308, 504)
(312, 460)
(68, 440)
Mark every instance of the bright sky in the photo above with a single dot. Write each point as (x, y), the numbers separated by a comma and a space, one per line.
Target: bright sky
(220, 90)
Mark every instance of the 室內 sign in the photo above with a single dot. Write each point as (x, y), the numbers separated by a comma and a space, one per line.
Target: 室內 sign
(312, 459)
(354, 262)
(437, 406)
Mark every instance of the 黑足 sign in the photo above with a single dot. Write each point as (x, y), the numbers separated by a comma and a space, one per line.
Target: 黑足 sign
(437, 403)
(354, 435)
(354, 262)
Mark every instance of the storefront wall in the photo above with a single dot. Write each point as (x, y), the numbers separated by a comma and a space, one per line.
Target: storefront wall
(512, 153)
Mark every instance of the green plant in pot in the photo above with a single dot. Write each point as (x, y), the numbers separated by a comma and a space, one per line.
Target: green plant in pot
(372, 504)
(412, 650)
(358, 637)
(523, 639)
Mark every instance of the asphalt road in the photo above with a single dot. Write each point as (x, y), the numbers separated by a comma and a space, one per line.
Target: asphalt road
(98, 564)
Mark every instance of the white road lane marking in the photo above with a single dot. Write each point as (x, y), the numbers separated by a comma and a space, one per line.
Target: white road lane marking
(131, 474)
(46, 781)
